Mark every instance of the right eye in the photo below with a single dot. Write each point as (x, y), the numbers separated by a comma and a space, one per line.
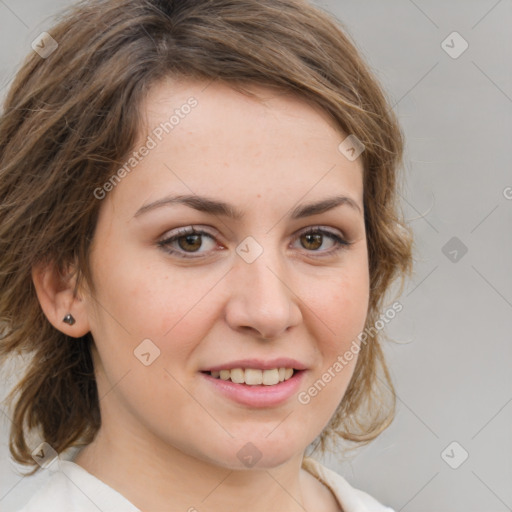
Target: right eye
(186, 241)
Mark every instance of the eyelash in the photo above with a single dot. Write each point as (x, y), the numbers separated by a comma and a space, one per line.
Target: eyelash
(340, 242)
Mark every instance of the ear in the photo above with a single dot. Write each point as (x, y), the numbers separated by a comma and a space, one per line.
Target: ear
(56, 295)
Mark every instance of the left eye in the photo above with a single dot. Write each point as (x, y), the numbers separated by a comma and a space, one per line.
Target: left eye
(187, 241)
(314, 239)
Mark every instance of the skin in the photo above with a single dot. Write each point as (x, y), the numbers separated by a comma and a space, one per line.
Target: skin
(164, 424)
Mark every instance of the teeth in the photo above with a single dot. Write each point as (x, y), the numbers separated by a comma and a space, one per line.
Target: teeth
(254, 377)
(237, 376)
(270, 377)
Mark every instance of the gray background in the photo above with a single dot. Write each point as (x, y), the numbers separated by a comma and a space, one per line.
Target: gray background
(452, 365)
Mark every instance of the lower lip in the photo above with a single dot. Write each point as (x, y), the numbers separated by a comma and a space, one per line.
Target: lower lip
(257, 396)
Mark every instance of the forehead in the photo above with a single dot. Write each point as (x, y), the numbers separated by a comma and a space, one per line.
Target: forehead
(208, 138)
(224, 110)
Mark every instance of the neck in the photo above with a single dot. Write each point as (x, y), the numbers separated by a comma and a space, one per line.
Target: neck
(169, 479)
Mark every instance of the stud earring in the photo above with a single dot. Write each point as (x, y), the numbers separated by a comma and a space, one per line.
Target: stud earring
(68, 319)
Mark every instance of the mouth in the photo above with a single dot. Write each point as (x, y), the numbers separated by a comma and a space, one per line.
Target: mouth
(255, 387)
(254, 376)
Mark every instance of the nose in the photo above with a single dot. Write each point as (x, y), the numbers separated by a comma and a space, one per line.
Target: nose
(261, 298)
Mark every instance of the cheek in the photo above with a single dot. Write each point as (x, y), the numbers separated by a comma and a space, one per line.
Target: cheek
(349, 306)
(136, 305)
(141, 295)
(342, 312)
(341, 307)
(168, 305)
(146, 301)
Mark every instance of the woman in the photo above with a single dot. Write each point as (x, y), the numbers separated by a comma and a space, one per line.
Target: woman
(199, 225)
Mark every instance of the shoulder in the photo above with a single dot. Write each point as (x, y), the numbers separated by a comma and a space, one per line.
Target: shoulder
(350, 499)
(70, 488)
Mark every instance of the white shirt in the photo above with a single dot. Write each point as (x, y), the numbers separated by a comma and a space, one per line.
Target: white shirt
(71, 488)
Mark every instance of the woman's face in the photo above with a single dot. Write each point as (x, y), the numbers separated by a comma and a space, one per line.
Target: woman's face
(268, 288)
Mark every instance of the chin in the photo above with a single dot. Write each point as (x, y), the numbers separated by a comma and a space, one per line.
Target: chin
(258, 453)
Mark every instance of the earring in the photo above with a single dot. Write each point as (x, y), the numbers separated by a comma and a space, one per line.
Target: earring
(68, 319)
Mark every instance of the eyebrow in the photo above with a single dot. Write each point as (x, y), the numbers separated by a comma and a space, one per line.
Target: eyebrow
(214, 207)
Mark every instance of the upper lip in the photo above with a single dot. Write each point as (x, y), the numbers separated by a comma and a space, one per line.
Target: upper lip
(281, 362)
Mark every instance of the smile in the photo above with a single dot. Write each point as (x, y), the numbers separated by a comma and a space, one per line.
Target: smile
(253, 387)
(254, 377)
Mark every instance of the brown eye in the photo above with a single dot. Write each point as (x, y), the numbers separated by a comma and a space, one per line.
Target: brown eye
(312, 241)
(314, 238)
(188, 243)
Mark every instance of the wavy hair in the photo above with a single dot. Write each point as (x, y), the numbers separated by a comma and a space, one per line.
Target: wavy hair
(70, 119)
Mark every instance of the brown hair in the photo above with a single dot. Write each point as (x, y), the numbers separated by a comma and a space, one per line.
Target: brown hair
(70, 119)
